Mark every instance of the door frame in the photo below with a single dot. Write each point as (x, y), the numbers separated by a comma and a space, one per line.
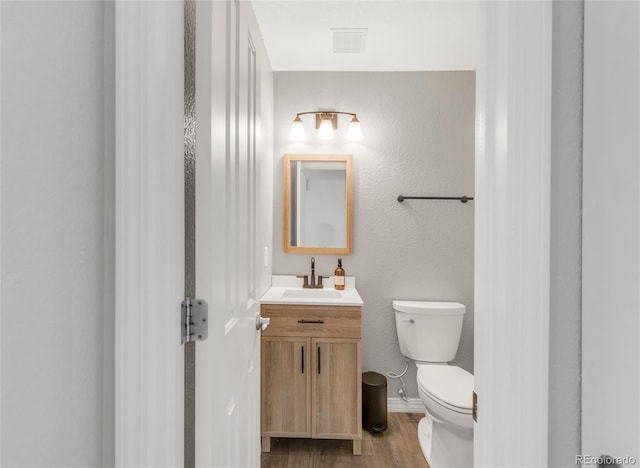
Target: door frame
(512, 250)
(512, 233)
(149, 191)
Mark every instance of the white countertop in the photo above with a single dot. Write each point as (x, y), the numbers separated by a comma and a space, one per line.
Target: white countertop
(287, 289)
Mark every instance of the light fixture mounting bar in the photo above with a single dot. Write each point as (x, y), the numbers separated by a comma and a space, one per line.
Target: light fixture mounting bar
(352, 114)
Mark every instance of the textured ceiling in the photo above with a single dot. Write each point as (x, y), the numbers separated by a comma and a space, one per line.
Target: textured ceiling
(401, 35)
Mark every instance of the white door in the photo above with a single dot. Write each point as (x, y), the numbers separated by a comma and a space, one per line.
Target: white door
(233, 226)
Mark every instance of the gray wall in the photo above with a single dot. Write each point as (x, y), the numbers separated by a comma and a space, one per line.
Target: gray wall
(566, 224)
(418, 140)
(57, 235)
(611, 231)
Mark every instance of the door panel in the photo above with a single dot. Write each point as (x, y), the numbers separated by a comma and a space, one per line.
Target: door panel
(286, 380)
(232, 72)
(336, 399)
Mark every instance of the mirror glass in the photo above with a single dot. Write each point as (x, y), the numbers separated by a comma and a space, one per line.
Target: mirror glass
(317, 203)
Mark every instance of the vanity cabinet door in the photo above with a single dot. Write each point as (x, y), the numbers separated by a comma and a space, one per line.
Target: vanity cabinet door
(337, 393)
(286, 386)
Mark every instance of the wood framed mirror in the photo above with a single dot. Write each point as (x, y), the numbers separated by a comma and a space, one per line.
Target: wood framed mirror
(318, 203)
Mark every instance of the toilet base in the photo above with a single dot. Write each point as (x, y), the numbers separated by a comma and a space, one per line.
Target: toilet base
(424, 437)
(441, 448)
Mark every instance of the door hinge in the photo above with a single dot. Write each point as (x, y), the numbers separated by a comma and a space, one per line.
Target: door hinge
(195, 315)
(474, 411)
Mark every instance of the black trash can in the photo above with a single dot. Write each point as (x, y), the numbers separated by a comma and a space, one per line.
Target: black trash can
(374, 402)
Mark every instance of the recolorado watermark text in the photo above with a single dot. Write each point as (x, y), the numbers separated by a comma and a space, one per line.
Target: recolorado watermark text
(605, 460)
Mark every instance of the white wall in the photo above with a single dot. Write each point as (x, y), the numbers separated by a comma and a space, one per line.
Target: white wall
(418, 140)
(56, 236)
(611, 234)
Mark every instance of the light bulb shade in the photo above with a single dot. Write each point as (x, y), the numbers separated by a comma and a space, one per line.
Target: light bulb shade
(355, 132)
(325, 132)
(297, 130)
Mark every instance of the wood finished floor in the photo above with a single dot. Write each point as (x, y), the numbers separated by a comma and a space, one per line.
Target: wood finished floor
(397, 447)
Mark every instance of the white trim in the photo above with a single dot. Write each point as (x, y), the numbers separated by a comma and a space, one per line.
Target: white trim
(149, 234)
(512, 233)
(398, 405)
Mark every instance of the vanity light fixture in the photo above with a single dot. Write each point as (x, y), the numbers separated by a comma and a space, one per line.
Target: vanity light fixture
(326, 123)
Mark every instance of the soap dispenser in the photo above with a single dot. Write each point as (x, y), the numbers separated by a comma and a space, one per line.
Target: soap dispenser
(339, 276)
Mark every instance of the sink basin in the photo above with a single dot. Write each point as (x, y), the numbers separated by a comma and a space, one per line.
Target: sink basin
(287, 289)
(312, 293)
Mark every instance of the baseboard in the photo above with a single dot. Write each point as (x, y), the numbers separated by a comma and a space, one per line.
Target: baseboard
(398, 405)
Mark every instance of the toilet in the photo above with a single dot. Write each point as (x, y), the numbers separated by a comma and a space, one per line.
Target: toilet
(429, 334)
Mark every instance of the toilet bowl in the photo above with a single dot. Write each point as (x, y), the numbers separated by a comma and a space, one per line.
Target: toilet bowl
(446, 431)
(429, 334)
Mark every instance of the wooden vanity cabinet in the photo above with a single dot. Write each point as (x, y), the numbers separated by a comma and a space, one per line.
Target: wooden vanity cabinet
(311, 373)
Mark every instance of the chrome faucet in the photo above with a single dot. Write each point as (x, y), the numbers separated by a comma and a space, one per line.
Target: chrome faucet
(310, 282)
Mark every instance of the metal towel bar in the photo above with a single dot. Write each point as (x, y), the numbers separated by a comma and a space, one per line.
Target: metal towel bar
(463, 199)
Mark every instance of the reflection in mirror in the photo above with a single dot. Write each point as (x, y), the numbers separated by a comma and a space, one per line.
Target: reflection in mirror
(317, 203)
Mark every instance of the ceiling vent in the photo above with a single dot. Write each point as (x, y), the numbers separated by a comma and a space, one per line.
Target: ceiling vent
(348, 40)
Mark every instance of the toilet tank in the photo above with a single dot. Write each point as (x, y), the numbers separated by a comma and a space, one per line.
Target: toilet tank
(429, 331)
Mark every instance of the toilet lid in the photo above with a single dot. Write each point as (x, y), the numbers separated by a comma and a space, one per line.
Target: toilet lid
(449, 384)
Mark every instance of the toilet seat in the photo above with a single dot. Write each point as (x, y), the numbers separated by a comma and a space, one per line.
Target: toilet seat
(450, 386)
